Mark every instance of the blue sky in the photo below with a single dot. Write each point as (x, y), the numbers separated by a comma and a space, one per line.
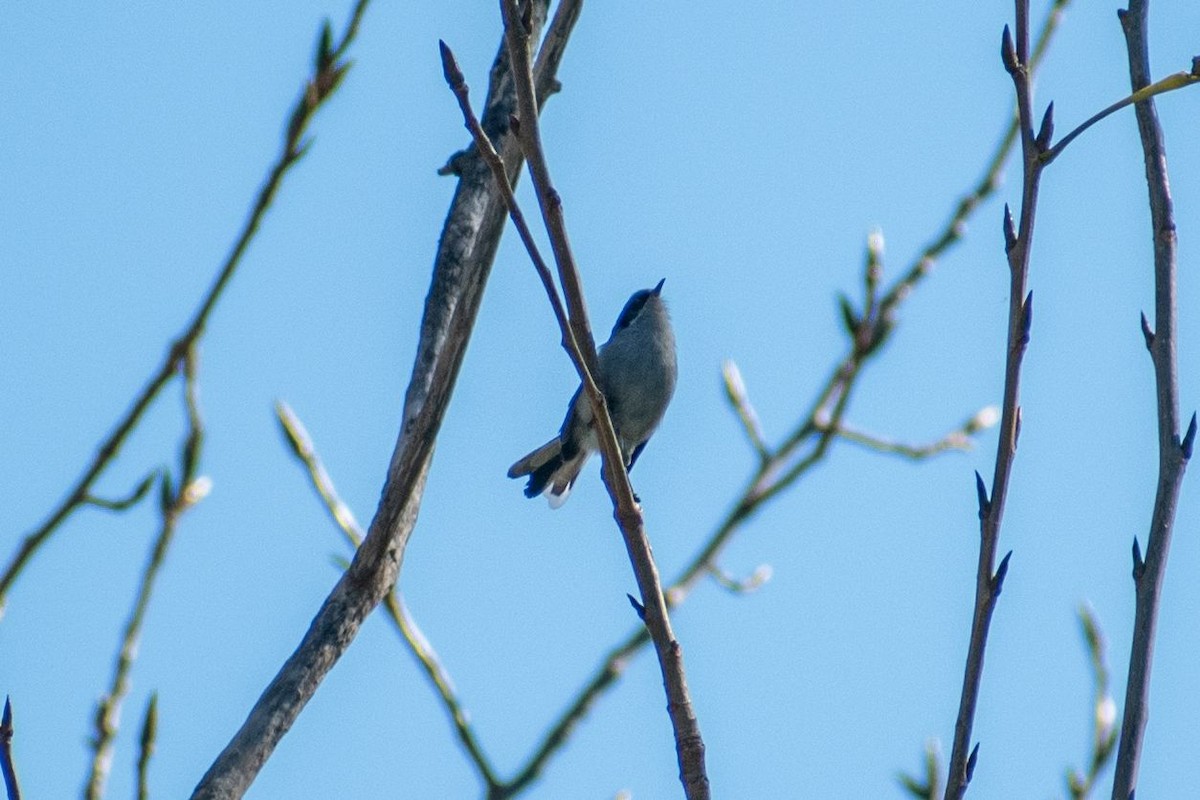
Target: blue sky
(742, 155)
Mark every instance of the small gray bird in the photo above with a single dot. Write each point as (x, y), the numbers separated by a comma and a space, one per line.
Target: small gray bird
(637, 375)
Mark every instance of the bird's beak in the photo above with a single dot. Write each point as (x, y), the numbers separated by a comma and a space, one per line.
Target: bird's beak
(658, 289)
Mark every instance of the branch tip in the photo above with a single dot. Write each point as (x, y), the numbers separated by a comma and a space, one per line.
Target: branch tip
(849, 317)
(450, 69)
(324, 56)
(1189, 439)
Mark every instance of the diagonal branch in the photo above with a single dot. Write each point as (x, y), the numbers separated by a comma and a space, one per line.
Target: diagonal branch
(174, 502)
(1173, 454)
(842, 380)
(465, 254)
(689, 744)
(302, 447)
(324, 81)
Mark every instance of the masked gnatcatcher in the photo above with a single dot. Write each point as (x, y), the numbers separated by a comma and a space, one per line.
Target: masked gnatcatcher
(637, 375)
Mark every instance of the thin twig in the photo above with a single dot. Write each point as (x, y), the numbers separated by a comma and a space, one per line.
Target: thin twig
(989, 580)
(841, 381)
(689, 744)
(1104, 710)
(302, 447)
(466, 250)
(1170, 83)
(129, 501)
(1173, 454)
(326, 77)
(146, 745)
(174, 502)
(458, 85)
(11, 786)
(739, 400)
(957, 439)
(751, 583)
(929, 786)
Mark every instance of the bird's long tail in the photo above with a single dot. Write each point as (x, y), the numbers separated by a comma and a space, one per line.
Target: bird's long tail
(549, 473)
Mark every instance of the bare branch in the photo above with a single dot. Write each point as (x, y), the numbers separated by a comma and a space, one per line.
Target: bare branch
(1104, 710)
(410, 633)
(1170, 83)
(739, 400)
(174, 504)
(957, 439)
(751, 583)
(465, 254)
(929, 786)
(754, 495)
(1173, 457)
(320, 87)
(689, 744)
(988, 580)
(130, 500)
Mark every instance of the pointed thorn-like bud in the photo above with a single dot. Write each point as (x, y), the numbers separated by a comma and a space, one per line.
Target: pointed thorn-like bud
(1146, 332)
(1046, 131)
(514, 124)
(1026, 318)
(1189, 439)
(1008, 51)
(638, 607)
(981, 491)
(450, 69)
(1017, 428)
(1010, 230)
(973, 759)
(998, 578)
(849, 317)
(1139, 565)
(324, 53)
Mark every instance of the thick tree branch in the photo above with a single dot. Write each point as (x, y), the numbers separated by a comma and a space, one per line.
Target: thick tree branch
(465, 254)
(302, 447)
(1173, 454)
